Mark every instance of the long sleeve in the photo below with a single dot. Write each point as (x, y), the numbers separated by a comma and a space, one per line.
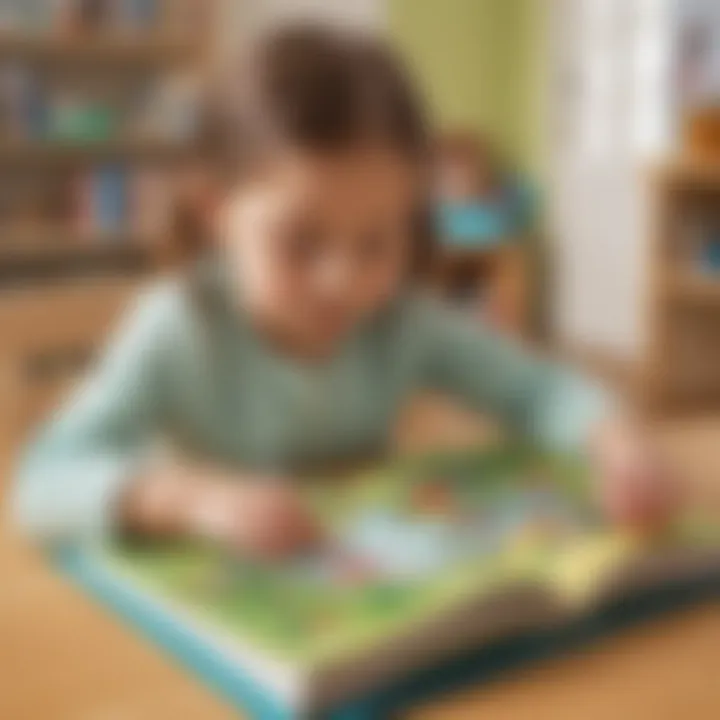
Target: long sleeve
(540, 399)
(71, 475)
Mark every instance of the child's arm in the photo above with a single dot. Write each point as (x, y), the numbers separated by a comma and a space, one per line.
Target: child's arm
(88, 472)
(553, 406)
(264, 518)
(72, 475)
(532, 396)
(637, 485)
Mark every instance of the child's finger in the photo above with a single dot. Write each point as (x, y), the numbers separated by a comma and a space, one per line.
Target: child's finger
(638, 501)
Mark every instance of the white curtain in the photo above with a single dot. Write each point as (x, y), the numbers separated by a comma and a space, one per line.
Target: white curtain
(609, 90)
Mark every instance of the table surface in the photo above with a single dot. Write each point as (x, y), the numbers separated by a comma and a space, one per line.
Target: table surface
(64, 658)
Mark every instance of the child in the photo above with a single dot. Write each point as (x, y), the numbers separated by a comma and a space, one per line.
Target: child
(298, 336)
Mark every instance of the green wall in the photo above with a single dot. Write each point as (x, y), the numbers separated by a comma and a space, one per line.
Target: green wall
(478, 62)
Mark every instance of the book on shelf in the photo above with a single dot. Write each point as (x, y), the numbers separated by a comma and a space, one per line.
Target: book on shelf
(29, 16)
(136, 15)
(104, 201)
(116, 201)
(22, 99)
(34, 107)
(166, 108)
(110, 201)
(103, 17)
(50, 17)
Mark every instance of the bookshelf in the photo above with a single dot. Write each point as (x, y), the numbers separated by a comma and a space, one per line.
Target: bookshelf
(59, 243)
(106, 50)
(71, 73)
(90, 94)
(688, 288)
(40, 154)
(682, 363)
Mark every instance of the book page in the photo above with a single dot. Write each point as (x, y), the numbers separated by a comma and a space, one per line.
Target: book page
(405, 543)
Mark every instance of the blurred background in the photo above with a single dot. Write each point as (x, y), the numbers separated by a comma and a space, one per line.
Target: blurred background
(577, 197)
(577, 172)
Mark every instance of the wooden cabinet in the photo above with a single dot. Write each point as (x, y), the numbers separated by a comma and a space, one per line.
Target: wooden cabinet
(682, 362)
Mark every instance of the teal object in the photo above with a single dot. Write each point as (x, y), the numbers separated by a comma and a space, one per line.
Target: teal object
(711, 255)
(484, 223)
(83, 123)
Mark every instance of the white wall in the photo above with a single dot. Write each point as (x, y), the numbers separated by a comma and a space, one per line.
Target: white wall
(610, 121)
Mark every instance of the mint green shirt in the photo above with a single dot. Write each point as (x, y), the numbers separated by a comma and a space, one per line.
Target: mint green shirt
(188, 367)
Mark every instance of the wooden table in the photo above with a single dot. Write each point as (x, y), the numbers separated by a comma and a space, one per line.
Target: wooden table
(64, 658)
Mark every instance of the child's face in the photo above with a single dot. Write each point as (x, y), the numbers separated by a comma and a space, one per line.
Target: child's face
(320, 243)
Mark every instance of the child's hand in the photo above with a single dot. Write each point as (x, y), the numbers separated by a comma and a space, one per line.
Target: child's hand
(636, 488)
(262, 517)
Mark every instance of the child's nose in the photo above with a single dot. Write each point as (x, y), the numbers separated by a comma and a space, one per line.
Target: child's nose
(337, 274)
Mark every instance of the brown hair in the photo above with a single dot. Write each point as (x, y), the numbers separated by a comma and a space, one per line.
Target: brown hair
(313, 88)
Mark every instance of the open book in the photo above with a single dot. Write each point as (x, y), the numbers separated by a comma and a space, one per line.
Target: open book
(424, 560)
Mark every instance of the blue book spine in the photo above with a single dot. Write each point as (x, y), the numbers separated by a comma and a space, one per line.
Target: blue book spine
(109, 199)
(23, 101)
(36, 109)
(139, 14)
